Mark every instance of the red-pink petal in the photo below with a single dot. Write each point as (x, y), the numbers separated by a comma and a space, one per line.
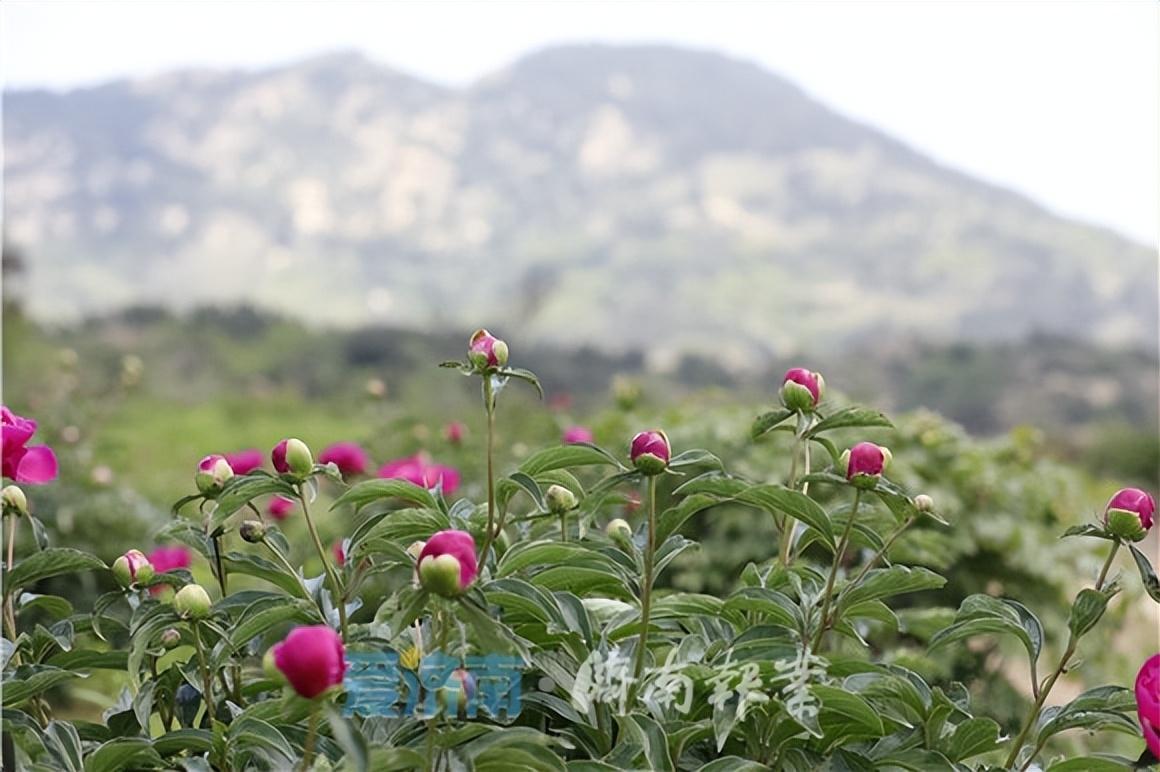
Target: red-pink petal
(37, 466)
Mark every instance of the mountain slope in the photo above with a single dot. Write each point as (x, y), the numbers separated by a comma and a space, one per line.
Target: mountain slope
(625, 196)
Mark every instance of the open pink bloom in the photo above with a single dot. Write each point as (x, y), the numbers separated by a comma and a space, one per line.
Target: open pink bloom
(574, 434)
(280, 507)
(167, 559)
(245, 461)
(865, 458)
(1134, 500)
(458, 544)
(347, 456)
(420, 470)
(454, 432)
(312, 658)
(804, 377)
(36, 465)
(1148, 702)
(278, 458)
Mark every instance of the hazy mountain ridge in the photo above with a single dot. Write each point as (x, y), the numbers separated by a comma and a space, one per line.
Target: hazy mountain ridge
(638, 195)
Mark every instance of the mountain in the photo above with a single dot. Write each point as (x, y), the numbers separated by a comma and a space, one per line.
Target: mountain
(622, 196)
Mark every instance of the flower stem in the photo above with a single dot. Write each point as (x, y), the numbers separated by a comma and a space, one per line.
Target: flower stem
(206, 676)
(311, 733)
(9, 601)
(824, 622)
(1060, 669)
(563, 526)
(646, 586)
(217, 558)
(330, 572)
(489, 407)
(884, 549)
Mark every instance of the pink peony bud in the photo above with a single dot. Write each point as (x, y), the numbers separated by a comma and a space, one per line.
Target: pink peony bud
(245, 461)
(278, 458)
(1131, 509)
(575, 434)
(865, 461)
(1148, 702)
(312, 659)
(486, 352)
(36, 465)
(420, 470)
(280, 507)
(339, 553)
(131, 568)
(212, 473)
(447, 562)
(347, 456)
(802, 389)
(454, 432)
(650, 452)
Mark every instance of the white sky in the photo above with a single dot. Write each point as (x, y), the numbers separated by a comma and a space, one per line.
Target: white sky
(1058, 100)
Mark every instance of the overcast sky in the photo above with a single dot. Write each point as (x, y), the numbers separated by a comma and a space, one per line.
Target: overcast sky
(1056, 100)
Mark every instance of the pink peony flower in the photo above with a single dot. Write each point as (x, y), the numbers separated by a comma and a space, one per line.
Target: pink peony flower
(457, 544)
(420, 470)
(245, 461)
(167, 559)
(1133, 500)
(280, 507)
(36, 465)
(312, 658)
(454, 432)
(1148, 702)
(574, 434)
(347, 456)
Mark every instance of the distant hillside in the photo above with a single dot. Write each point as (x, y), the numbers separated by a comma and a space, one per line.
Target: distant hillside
(640, 196)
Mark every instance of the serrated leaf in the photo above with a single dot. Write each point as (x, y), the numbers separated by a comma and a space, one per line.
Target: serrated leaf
(49, 563)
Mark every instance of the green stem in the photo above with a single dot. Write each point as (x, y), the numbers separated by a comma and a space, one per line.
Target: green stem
(563, 526)
(311, 733)
(1060, 669)
(789, 523)
(646, 589)
(878, 555)
(489, 406)
(335, 586)
(824, 622)
(206, 675)
(9, 600)
(289, 569)
(217, 558)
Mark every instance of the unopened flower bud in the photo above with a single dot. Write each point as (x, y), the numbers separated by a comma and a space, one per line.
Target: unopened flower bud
(252, 531)
(440, 575)
(923, 503)
(619, 531)
(802, 389)
(212, 473)
(192, 601)
(650, 452)
(1129, 513)
(298, 457)
(486, 352)
(132, 568)
(170, 639)
(15, 502)
(864, 463)
(559, 499)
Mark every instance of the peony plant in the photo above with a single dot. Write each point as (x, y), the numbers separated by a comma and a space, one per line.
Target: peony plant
(533, 628)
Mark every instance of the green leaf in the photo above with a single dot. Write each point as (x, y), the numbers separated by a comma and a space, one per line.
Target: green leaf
(1091, 764)
(49, 563)
(733, 764)
(1147, 574)
(527, 376)
(64, 743)
(370, 491)
(882, 583)
(1088, 529)
(88, 659)
(777, 498)
(971, 738)
(979, 614)
(765, 422)
(253, 565)
(695, 457)
(1089, 606)
(17, 690)
(566, 457)
(776, 607)
(672, 519)
(260, 617)
(1104, 707)
(241, 490)
(848, 418)
(54, 606)
(193, 740)
(552, 553)
(531, 487)
(852, 708)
